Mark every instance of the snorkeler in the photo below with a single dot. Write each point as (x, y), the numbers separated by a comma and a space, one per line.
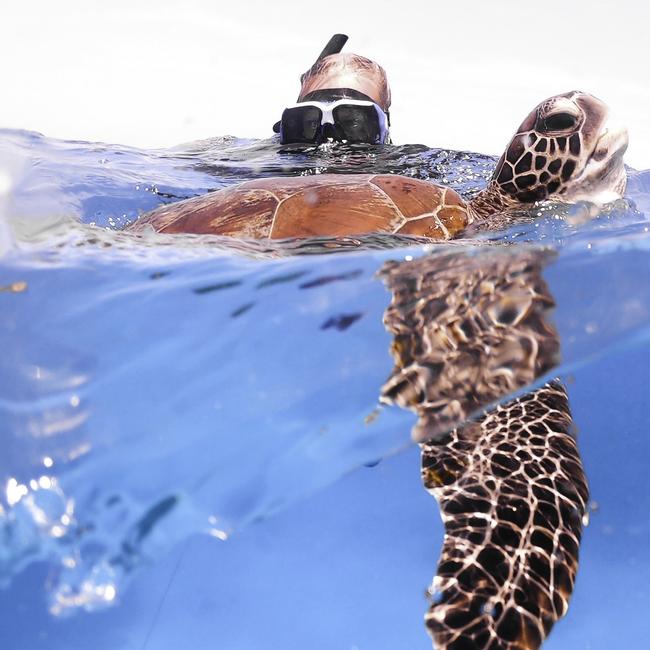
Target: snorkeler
(343, 98)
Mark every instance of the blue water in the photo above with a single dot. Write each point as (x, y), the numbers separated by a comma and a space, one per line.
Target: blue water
(193, 453)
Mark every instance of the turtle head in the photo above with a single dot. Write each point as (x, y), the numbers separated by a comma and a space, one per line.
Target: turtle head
(566, 149)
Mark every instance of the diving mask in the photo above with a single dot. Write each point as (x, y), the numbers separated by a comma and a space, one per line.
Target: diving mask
(344, 120)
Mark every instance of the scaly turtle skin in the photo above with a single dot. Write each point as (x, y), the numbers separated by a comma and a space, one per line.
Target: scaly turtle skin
(563, 150)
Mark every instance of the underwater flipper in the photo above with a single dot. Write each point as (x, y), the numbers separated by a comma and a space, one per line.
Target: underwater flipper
(512, 493)
(470, 328)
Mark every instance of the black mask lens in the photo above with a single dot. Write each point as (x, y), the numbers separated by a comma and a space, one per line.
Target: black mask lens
(300, 124)
(358, 123)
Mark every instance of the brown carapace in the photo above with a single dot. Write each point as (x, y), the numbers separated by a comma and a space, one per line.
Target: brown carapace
(328, 204)
(564, 150)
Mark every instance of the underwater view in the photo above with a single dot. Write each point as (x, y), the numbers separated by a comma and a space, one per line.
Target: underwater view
(372, 377)
(205, 442)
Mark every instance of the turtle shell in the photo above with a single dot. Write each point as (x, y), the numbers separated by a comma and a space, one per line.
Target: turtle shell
(320, 205)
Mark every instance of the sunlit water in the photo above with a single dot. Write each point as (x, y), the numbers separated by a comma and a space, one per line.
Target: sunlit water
(192, 449)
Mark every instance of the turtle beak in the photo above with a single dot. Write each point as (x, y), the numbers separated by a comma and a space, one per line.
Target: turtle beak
(603, 178)
(612, 142)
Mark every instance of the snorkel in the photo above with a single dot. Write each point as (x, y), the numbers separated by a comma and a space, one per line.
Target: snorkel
(333, 46)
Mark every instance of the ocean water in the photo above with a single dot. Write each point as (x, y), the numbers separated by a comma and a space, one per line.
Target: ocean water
(193, 451)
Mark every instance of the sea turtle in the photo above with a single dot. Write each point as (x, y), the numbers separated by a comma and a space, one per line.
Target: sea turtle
(468, 330)
(563, 150)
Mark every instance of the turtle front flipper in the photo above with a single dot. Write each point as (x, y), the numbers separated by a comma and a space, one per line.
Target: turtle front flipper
(512, 493)
(470, 328)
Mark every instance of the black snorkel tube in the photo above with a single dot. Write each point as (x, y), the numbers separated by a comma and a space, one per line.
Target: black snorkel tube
(333, 46)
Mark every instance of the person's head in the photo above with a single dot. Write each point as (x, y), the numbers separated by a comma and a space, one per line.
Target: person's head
(343, 97)
(346, 75)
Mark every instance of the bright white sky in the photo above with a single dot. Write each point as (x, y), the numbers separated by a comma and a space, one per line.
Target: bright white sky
(464, 73)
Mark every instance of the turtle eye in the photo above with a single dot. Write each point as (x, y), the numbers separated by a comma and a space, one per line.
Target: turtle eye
(558, 122)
